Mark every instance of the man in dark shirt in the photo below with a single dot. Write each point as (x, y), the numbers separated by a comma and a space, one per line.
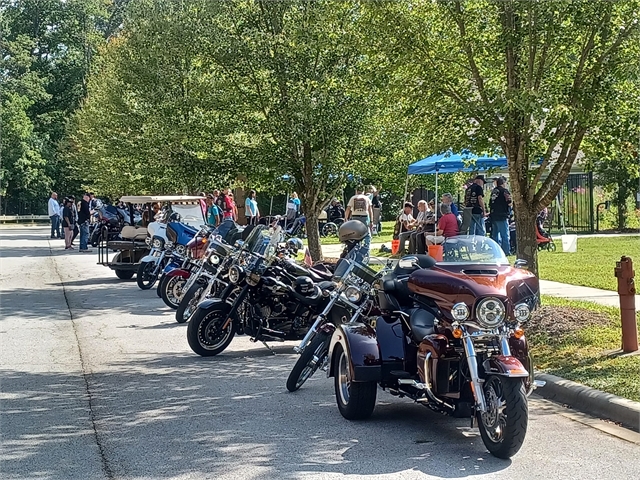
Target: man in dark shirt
(474, 198)
(335, 211)
(500, 203)
(84, 215)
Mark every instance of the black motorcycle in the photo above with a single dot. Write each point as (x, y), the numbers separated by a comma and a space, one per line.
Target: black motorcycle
(263, 299)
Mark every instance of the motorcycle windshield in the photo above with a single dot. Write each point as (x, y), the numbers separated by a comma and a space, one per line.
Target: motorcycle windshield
(472, 249)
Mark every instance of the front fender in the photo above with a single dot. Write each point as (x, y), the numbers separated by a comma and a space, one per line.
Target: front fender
(213, 303)
(360, 344)
(178, 272)
(505, 366)
(149, 258)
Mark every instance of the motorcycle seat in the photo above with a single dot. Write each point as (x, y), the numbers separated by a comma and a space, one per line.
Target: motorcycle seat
(134, 233)
(422, 323)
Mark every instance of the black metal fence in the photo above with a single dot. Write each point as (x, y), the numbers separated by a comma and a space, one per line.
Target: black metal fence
(575, 200)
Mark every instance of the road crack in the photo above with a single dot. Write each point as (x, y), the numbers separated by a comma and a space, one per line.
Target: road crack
(106, 468)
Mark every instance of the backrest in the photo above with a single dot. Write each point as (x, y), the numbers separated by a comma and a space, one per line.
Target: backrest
(134, 233)
(466, 220)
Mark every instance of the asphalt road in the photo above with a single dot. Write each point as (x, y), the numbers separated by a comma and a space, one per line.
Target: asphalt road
(98, 382)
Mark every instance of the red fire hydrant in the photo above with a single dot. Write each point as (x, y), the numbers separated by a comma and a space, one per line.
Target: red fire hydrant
(627, 291)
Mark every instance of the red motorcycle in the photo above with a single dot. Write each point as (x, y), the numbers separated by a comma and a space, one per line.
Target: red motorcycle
(449, 336)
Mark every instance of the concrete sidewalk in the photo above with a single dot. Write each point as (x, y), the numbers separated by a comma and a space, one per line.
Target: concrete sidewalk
(575, 292)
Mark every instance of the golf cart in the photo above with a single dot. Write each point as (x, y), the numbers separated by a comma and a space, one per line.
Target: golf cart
(123, 254)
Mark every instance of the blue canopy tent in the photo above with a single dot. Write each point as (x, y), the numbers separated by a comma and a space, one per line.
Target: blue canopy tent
(450, 162)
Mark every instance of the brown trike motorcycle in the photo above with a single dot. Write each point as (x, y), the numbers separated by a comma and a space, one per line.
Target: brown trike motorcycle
(449, 336)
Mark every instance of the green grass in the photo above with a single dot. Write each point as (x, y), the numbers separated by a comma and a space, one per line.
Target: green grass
(385, 236)
(592, 265)
(581, 352)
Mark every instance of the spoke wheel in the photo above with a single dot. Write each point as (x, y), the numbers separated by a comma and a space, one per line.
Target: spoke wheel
(172, 291)
(189, 302)
(312, 358)
(503, 426)
(329, 230)
(205, 333)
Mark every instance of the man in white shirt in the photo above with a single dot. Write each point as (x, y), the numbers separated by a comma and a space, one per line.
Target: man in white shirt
(407, 225)
(54, 214)
(359, 208)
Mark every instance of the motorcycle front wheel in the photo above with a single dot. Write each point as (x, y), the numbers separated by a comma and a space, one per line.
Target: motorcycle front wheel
(145, 276)
(503, 426)
(205, 334)
(189, 302)
(171, 290)
(309, 361)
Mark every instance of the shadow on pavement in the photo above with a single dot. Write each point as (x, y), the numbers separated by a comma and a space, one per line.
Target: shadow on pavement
(163, 416)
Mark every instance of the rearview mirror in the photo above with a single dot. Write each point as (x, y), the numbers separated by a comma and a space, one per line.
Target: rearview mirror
(408, 262)
(520, 263)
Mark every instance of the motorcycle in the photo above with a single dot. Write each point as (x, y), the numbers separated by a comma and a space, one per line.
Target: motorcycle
(163, 240)
(202, 271)
(449, 336)
(262, 299)
(351, 297)
(178, 272)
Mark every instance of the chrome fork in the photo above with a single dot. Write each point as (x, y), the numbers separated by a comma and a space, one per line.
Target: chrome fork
(476, 382)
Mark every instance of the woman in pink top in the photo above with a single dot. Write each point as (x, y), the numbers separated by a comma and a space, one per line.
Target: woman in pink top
(447, 226)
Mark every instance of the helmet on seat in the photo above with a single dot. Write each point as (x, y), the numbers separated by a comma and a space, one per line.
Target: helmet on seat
(294, 244)
(303, 285)
(352, 231)
(175, 217)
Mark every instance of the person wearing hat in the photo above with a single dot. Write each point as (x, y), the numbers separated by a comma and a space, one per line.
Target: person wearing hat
(474, 199)
(500, 204)
(407, 225)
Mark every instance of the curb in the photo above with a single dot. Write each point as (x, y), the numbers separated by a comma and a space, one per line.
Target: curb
(590, 400)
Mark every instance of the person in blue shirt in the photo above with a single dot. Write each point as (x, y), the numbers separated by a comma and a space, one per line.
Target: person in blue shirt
(213, 212)
(448, 199)
(251, 211)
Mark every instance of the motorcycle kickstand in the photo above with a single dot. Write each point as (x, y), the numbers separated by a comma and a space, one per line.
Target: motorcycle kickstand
(268, 347)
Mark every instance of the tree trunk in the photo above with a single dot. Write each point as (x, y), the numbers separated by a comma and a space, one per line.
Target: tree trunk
(313, 235)
(526, 237)
(621, 204)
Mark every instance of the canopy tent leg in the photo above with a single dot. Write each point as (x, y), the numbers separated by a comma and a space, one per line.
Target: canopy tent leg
(406, 188)
(271, 206)
(435, 207)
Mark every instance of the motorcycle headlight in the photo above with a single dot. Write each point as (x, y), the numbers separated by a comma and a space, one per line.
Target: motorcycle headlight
(147, 240)
(235, 274)
(214, 259)
(157, 243)
(490, 312)
(460, 312)
(521, 312)
(353, 294)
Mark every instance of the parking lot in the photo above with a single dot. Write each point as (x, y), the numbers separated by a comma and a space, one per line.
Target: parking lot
(97, 381)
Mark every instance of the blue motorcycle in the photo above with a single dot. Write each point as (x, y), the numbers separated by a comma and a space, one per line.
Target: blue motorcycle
(163, 250)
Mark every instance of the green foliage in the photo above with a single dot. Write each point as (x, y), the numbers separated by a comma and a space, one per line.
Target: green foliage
(47, 47)
(531, 77)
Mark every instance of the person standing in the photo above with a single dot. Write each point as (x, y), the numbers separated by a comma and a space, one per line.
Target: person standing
(84, 215)
(251, 211)
(359, 208)
(68, 223)
(500, 204)
(474, 198)
(213, 214)
(423, 220)
(54, 215)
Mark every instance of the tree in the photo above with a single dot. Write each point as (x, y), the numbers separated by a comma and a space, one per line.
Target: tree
(613, 152)
(46, 52)
(530, 77)
(298, 80)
